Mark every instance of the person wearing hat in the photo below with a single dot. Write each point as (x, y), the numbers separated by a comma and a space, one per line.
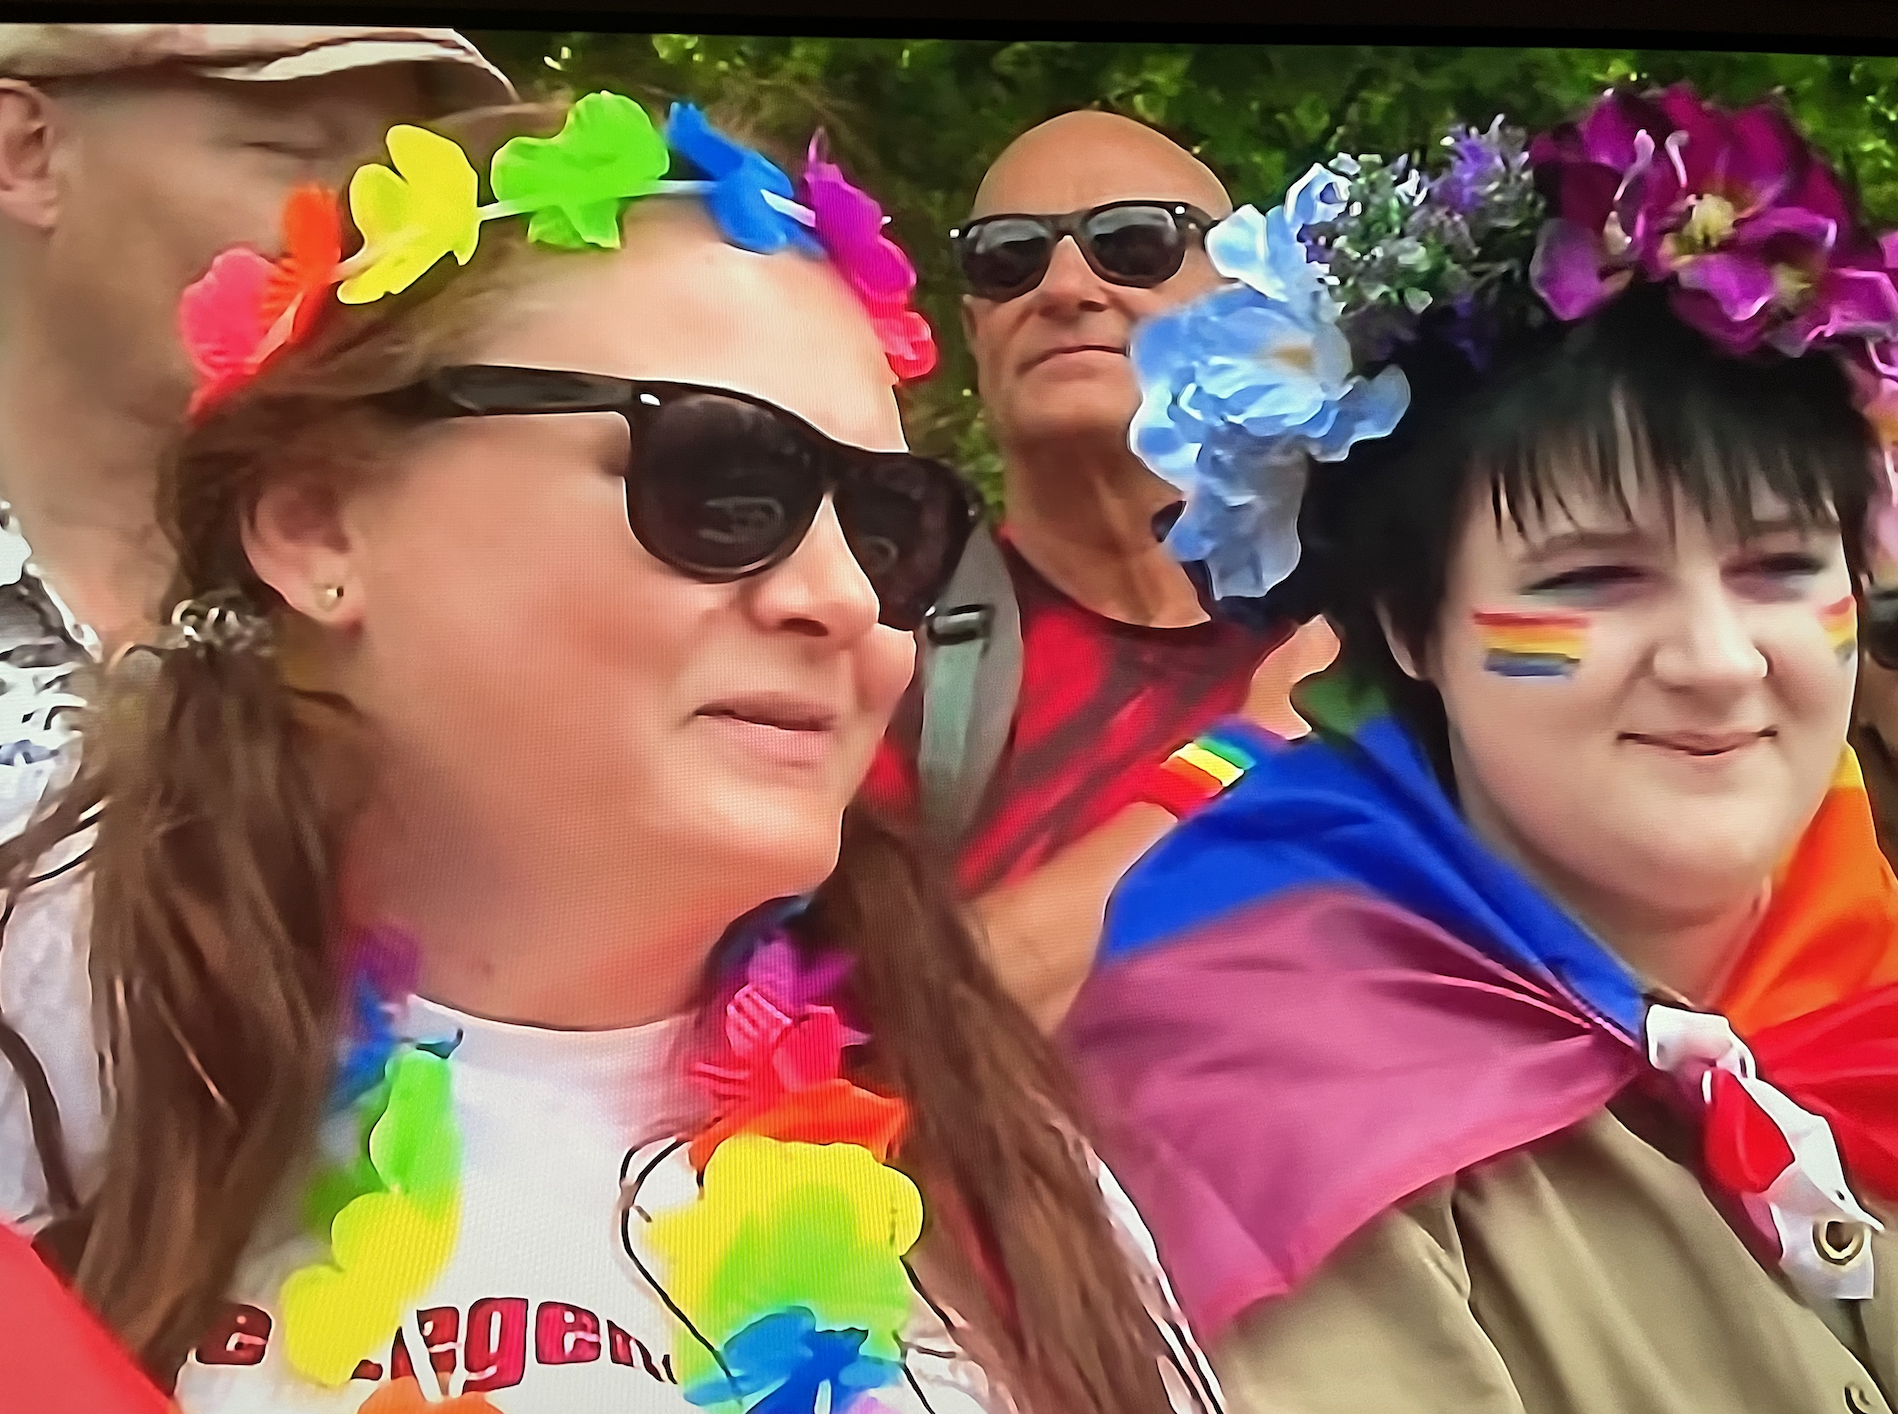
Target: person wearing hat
(130, 155)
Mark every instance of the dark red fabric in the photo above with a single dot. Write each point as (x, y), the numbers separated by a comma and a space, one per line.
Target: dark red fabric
(1101, 704)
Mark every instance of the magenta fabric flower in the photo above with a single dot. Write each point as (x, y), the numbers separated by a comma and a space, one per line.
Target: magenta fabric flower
(1736, 210)
(849, 224)
(1874, 372)
(779, 1033)
(1873, 367)
(1592, 173)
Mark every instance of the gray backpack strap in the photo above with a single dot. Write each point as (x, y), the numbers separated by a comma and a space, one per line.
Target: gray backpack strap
(971, 673)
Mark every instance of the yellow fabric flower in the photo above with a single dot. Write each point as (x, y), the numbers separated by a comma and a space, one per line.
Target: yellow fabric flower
(780, 1225)
(386, 1245)
(410, 217)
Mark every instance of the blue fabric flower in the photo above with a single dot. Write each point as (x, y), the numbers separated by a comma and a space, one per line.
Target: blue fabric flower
(1263, 251)
(379, 979)
(369, 1040)
(1319, 195)
(787, 1359)
(740, 178)
(1242, 388)
(1249, 246)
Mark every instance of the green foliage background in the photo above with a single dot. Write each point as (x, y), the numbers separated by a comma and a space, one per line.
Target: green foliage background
(918, 121)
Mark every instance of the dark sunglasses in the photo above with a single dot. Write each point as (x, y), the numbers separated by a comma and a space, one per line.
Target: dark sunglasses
(721, 486)
(1878, 627)
(1137, 243)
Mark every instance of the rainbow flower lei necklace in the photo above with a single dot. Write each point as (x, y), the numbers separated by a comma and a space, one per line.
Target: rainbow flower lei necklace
(786, 1274)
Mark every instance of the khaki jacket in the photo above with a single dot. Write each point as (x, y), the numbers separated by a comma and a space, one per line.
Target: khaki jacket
(1588, 1275)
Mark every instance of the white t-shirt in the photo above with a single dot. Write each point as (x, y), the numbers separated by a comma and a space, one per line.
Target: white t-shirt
(45, 993)
(543, 1305)
(46, 996)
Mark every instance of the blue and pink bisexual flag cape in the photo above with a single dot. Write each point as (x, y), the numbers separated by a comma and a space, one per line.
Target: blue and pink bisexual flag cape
(1322, 993)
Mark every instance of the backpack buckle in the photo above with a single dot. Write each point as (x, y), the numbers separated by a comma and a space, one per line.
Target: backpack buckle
(962, 624)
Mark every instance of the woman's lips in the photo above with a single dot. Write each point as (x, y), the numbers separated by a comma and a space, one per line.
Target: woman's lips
(785, 729)
(1699, 744)
(785, 711)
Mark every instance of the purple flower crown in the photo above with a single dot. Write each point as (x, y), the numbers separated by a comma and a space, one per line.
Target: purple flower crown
(1757, 242)
(1743, 219)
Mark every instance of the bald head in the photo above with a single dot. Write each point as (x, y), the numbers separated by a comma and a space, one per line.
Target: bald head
(1089, 158)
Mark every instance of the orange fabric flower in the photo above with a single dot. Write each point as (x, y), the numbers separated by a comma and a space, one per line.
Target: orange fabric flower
(404, 1396)
(245, 308)
(829, 1112)
(312, 249)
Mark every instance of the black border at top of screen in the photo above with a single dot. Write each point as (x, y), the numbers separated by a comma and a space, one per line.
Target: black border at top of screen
(1754, 26)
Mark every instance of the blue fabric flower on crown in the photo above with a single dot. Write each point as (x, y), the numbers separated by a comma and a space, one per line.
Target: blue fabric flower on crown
(743, 183)
(1243, 388)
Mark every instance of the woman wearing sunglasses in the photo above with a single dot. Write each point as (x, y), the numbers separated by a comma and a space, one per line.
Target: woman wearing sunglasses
(501, 1003)
(1522, 1043)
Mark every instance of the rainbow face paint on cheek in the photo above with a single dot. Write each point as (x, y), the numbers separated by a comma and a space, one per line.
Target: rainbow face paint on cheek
(1531, 645)
(1840, 623)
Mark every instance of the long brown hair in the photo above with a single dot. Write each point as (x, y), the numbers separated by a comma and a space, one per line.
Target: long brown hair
(226, 794)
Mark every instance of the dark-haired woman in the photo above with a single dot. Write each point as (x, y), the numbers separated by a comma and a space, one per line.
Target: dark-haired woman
(539, 613)
(1526, 1040)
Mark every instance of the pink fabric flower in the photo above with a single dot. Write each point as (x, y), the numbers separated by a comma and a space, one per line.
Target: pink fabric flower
(850, 227)
(221, 322)
(1593, 172)
(247, 307)
(778, 1035)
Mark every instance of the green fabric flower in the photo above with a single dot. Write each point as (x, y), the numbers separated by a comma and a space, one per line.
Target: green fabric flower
(577, 182)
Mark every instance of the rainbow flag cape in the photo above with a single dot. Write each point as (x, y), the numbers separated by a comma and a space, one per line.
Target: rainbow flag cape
(1322, 993)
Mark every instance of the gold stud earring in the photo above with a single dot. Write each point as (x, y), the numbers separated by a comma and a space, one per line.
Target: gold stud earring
(332, 595)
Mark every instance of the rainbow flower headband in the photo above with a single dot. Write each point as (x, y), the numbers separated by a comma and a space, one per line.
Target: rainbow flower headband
(787, 1270)
(573, 188)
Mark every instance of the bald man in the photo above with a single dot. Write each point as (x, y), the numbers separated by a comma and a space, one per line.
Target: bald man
(1083, 227)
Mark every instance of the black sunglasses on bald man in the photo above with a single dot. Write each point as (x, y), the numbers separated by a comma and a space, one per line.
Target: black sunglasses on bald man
(1134, 243)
